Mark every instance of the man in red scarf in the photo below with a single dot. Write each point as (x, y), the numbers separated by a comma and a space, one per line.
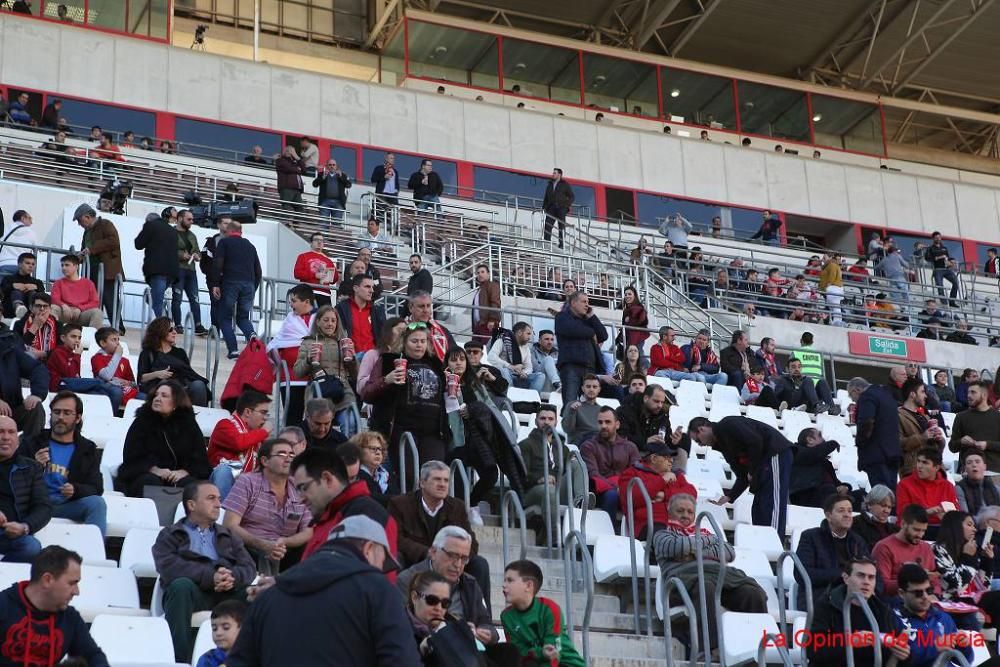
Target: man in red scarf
(38, 329)
(700, 359)
(422, 310)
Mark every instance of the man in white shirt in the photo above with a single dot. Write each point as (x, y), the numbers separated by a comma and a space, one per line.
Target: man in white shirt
(511, 353)
(15, 241)
(374, 239)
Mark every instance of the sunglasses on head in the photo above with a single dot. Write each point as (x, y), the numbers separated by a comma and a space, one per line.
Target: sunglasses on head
(412, 326)
(434, 601)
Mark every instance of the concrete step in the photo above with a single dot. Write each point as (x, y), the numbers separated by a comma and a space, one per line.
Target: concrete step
(613, 622)
(608, 604)
(554, 586)
(623, 646)
(494, 535)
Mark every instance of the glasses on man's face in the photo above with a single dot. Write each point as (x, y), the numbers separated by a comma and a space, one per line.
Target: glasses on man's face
(456, 558)
(281, 455)
(434, 601)
(919, 592)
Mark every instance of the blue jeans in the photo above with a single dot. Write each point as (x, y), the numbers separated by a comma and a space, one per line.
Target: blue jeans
(94, 386)
(549, 368)
(223, 478)
(187, 283)
(8, 270)
(534, 381)
(333, 209)
(238, 294)
(572, 380)
(19, 549)
(940, 275)
(608, 501)
(157, 289)
(91, 510)
(714, 378)
(429, 204)
(677, 376)
(346, 422)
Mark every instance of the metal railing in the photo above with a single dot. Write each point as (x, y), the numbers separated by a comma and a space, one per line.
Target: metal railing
(806, 583)
(509, 498)
(636, 482)
(949, 656)
(872, 623)
(411, 444)
(669, 586)
(458, 471)
(575, 540)
(717, 608)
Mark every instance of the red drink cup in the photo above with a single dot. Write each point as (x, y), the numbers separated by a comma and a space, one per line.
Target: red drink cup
(317, 351)
(400, 364)
(453, 384)
(852, 411)
(346, 349)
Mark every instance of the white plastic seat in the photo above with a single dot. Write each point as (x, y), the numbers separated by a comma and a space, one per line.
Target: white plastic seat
(202, 642)
(743, 632)
(680, 417)
(754, 564)
(137, 552)
(710, 468)
(718, 513)
(949, 419)
(691, 394)
(133, 640)
(723, 393)
(762, 414)
(720, 410)
(598, 523)
(799, 516)
(87, 341)
(826, 418)
(108, 590)
(663, 382)
(84, 539)
(709, 489)
(612, 403)
(112, 457)
(794, 422)
(761, 538)
(612, 559)
(676, 610)
(156, 606)
(517, 395)
(132, 406)
(101, 429)
(86, 370)
(126, 513)
(742, 507)
(207, 418)
(11, 573)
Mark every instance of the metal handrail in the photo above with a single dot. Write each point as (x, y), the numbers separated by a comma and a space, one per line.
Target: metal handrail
(668, 636)
(458, 471)
(510, 497)
(779, 647)
(576, 539)
(407, 439)
(630, 516)
(187, 342)
(873, 624)
(212, 355)
(699, 555)
(783, 598)
(574, 461)
(950, 656)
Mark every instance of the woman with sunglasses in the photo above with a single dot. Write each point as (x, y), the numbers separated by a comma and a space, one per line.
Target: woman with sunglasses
(407, 396)
(328, 361)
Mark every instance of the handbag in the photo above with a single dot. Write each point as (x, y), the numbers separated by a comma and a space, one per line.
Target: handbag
(167, 498)
(454, 645)
(331, 387)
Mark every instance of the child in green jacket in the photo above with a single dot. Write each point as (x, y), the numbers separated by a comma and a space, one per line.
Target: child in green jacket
(535, 624)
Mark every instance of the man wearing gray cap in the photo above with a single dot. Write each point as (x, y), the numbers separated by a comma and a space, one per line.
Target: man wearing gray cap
(101, 247)
(339, 594)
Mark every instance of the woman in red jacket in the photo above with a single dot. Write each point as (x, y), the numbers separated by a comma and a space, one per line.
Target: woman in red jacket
(655, 470)
(634, 321)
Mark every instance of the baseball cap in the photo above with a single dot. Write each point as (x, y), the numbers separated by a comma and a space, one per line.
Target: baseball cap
(661, 449)
(82, 210)
(368, 530)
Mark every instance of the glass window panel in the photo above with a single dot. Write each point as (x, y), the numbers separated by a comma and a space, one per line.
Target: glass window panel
(499, 186)
(347, 159)
(653, 208)
(907, 243)
(159, 20)
(449, 54)
(269, 13)
(407, 164)
(295, 18)
(83, 115)
(34, 8)
(322, 22)
(846, 124)
(773, 112)
(620, 85)
(698, 99)
(108, 14)
(981, 255)
(393, 67)
(222, 142)
(75, 10)
(543, 71)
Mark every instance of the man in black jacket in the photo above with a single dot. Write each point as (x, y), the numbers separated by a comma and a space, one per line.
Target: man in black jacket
(318, 425)
(761, 459)
(645, 418)
(427, 187)
(159, 264)
(735, 359)
(339, 594)
(15, 365)
(556, 204)
(420, 280)
(238, 267)
(24, 505)
(825, 550)
(333, 185)
(207, 265)
(71, 464)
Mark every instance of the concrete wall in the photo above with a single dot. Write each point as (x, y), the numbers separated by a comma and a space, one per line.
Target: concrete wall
(128, 71)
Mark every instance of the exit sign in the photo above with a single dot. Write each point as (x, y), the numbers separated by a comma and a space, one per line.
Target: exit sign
(890, 347)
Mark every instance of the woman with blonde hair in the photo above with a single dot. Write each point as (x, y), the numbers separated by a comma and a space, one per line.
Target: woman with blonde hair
(326, 357)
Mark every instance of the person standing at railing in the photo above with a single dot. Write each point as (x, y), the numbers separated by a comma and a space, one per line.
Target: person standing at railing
(896, 270)
(427, 187)
(385, 178)
(333, 185)
(101, 247)
(676, 228)
(187, 276)
(310, 156)
(485, 305)
(17, 240)
(374, 239)
(831, 284)
(556, 204)
(770, 229)
(159, 263)
(943, 266)
(18, 111)
(239, 277)
(290, 168)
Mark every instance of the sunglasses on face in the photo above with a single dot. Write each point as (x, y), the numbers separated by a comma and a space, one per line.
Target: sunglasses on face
(919, 592)
(434, 601)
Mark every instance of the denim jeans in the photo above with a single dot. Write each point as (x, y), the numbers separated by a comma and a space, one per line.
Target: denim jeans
(572, 380)
(939, 276)
(94, 386)
(157, 289)
(332, 209)
(238, 294)
(223, 478)
(346, 422)
(534, 381)
(429, 204)
(187, 283)
(19, 549)
(549, 368)
(90, 510)
(677, 376)
(714, 378)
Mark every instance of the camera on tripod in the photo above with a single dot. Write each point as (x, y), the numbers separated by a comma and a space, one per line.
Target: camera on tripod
(117, 192)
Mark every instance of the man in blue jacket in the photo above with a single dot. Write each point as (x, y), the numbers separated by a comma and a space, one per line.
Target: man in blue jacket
(579, 333)
(339, 594)
(238, 268)
(879, 453)
(15, 365)
(926, 626)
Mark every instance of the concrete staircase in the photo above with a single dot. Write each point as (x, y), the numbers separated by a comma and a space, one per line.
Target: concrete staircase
(613, 642)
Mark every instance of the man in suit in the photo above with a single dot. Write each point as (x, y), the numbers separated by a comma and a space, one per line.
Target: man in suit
(556, 204)
(333, 185)
(485, 305)
(102, 248)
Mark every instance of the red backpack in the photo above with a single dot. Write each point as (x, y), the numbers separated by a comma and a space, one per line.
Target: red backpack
(253, 370)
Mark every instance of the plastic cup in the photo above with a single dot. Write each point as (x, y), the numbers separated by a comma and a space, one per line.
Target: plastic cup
(400, 364)
(453, 384)
(346, 349)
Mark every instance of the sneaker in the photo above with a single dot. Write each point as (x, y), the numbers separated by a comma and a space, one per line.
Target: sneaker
(233, 355)
(475, 518)
(821, 407)
(557, 386)
(179, 331)
(200, 331)
(121, 329)
(800, 408)
(20, 311)
(835, 409)
(782, 407)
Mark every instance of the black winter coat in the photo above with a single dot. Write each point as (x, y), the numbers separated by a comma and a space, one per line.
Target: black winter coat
(812, 467)
(174, 442)
(159, 240)
(818, 554)
(23, 478)
(84, 470)
(638, 425)
(746, 444)
(16, 364)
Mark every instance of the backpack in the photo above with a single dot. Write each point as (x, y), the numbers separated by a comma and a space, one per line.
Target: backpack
(253, 370)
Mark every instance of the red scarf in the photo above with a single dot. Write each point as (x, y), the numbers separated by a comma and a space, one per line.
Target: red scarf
(770, 367)
(439, 339)
(45, 340)
(710, 357)
(687, 530)
(752, 385)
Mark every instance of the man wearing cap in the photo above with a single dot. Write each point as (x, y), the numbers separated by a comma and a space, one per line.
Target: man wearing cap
(338, 595)
(101, 247)
(656, 470)
(159, 262)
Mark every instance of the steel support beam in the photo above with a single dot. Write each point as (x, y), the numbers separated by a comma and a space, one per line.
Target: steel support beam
(387, 11)
(944, 7)
(849, 30)
(652, 25)
(692, 28)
